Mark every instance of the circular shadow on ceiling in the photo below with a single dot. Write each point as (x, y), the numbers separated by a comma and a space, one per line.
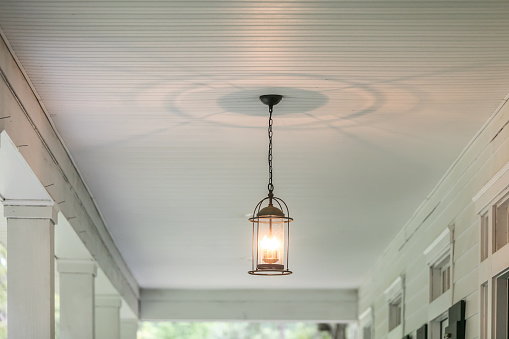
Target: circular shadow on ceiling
(294, 101)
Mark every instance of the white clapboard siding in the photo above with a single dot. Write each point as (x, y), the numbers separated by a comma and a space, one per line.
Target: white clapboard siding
(450, 204)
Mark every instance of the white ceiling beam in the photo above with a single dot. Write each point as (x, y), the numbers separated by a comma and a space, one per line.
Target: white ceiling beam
(34, 136)
(327, 305)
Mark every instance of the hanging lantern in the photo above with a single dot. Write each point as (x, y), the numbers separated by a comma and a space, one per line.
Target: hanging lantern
(271, 221)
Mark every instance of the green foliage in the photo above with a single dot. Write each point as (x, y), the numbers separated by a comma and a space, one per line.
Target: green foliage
(173, 330)
(229, 330)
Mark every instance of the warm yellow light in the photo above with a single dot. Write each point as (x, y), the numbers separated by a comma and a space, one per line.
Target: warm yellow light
(270, 244)
(270, 248)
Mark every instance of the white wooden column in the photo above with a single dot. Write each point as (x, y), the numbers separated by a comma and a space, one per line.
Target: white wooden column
(77, 299)
(107, 317)
(128, 328)
(31, 278)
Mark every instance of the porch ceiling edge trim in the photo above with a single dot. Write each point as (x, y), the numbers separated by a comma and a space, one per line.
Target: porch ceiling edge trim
(49, 160)
(320, 305)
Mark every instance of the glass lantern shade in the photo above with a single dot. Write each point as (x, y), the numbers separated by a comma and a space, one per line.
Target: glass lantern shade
(271, 243)
(271, 231)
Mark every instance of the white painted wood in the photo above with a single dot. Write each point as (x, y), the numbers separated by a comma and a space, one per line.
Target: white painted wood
(395, 290)
(107, 317)
(29, 211)
(500, 310)
(250, 305)
(128, 328)
(438, 247)
(3, 228)
(497, 185)
(49, 160)
(77, 299)
(365, 328)
(437, 306)
(396, 332)
(77, 266)
(30, 282)
(366, 317)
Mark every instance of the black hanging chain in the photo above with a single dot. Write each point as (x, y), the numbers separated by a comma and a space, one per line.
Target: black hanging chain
(270, 186)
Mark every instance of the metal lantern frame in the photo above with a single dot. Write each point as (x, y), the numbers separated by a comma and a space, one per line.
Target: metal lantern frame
(275, 210)
(259, 215)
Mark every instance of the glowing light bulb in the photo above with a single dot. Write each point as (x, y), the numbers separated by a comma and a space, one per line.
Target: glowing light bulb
(270, 248)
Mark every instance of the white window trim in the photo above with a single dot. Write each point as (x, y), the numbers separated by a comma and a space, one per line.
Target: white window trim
(489, 196)
(440, 248)
(498, 328)
(485, 238)
(435, 266)
(434, 325)
(441, 245)
(485, 201)
(394, 290)
(501, 200)
(484, 311)
(392, 293)
(366, 319)
(491, 190)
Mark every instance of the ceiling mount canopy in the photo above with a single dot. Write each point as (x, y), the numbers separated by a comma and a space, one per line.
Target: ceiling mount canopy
(271, 225)
(271, 100)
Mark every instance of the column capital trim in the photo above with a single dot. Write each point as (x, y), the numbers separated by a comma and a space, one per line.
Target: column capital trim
(27, 202)
(108, 301)
(77, 266)
(30, 211)
(129, 321)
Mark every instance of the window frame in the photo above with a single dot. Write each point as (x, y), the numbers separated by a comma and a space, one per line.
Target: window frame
(440, 255)
(495, 268)
(500, 318)
(484, 237)
(436, 326)
(395, 312)
(366, 322)
(395, 295)
(437, 279)
(484, 310)
(500, 223)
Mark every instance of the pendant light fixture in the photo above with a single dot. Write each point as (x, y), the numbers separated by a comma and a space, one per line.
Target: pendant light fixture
(271, 221)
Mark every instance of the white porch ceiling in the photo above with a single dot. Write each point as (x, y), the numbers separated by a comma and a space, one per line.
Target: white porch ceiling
(158, 104)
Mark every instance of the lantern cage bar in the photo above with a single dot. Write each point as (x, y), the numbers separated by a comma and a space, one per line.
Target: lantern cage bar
(274, 262)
